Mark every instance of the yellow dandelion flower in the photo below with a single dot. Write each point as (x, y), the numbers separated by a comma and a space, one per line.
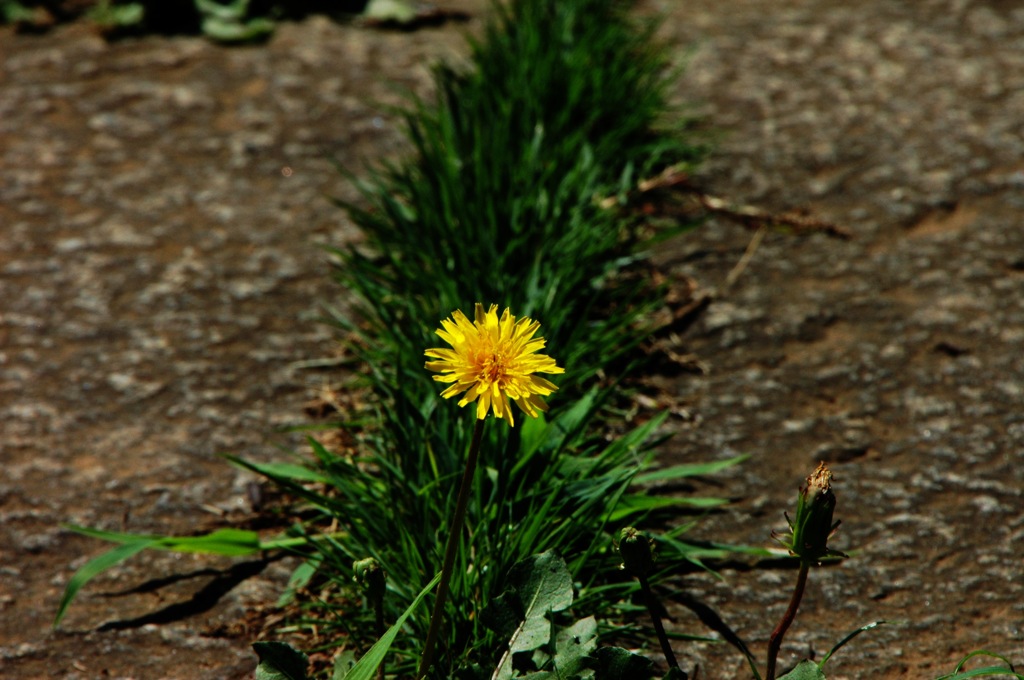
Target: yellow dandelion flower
(493, 360)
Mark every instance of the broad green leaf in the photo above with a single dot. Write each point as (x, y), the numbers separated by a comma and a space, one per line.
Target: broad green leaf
(805, 670)
(537, 586)
(573, 645)
(343, 664)
(94, 567)
(367, 666)
(615, 663)
(280, 661)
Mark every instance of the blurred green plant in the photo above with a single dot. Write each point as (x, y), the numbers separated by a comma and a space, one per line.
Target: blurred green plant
(25, 15)
(109, 17)
(231, 22)
(223, 21)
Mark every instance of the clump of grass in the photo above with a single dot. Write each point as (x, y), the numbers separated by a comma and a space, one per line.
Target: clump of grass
(565, 103)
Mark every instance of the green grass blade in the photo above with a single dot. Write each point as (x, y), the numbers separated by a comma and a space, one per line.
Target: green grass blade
(841, 643)
(982, 652)
(284, 471)
(1001, 671)
(96, 566)
(232, 542)
(300, 578)
(298, 473)
(112, 536)
(367, 666)
(960, 674)
(676, 472)
(632, 505)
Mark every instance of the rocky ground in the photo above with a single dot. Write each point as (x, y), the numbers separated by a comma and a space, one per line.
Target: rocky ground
(161, 205)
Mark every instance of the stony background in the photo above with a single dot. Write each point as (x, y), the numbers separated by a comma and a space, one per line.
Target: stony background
(896, 357)
(161, 205)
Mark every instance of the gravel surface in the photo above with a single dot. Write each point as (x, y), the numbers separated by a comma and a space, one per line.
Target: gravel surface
(162, 199)
(896, 356)
(163, 204)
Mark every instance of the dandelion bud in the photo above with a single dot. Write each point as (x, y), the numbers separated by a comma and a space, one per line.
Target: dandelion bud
(821, 504)
(635, 549)
(371, 577)
(812, 526)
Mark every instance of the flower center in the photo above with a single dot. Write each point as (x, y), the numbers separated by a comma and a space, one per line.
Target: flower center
(494, 367)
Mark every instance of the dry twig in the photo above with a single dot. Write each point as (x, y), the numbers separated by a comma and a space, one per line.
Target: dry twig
(678, 181)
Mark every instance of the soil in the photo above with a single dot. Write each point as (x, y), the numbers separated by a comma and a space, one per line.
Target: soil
(162, 204)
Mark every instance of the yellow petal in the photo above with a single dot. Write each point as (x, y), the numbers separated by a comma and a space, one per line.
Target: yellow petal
(492, 361)
(482, 405)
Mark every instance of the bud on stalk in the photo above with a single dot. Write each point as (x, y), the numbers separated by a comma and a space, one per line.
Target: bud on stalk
(813, 523)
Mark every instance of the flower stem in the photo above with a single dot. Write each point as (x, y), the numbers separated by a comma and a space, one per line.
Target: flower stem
(454, 540)
(378, 612)
(659, 629)
(775, 641)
